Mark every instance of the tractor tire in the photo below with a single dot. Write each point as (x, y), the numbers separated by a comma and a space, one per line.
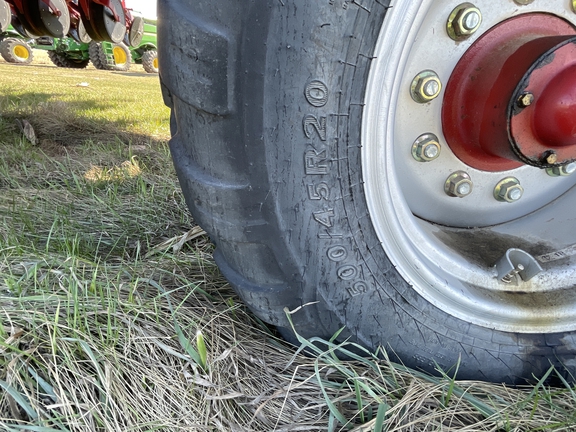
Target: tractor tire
(97, 55)
(62, 60)
(150, 61)
(121, 58)
(15, 50)
(296, 132)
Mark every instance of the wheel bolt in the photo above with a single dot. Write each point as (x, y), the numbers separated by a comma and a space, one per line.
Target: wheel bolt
(425, 86)
(458, 184)
(508, 190)
(523, 2)
(463, 21)
(426, 148)
(564, 170)
(525, 100)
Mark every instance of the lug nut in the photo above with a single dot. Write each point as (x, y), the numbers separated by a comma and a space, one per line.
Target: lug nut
(564, 170)
(426, 148)
(549, 157)
(463, 21)
(523, 2)
(425, 86)
(525, 100)
(508, 190)
(458, 185)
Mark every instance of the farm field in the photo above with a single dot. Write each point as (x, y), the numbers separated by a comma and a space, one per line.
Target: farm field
(114, 317)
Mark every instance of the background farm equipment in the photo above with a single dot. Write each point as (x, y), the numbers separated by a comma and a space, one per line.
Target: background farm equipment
(83, 20)
(71, 53)
(64, 52)
(105, 55)
(14, 48)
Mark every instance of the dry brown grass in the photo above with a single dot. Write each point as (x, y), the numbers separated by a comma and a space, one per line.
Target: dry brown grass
(101, 352)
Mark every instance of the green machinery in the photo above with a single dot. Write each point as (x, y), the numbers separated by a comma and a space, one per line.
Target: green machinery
(14, 48)
(106, 55)
(68, 52)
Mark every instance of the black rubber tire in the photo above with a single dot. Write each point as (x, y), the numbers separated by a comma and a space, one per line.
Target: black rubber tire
(97, 55)
(150, 61)
(62, 60)
(111, 61)
(101, 60)
(9, 48)
(283, 198)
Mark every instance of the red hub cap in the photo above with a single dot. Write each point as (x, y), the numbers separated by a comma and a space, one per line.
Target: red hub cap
(511, 99)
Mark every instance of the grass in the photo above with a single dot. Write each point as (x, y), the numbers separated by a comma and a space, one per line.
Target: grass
(114, 317)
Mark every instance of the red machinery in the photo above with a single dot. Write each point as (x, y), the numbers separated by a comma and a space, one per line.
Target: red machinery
(100, 20)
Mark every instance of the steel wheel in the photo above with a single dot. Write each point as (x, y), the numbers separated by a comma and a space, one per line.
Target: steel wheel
(43, 20)
(119, 54)
(5, 16)
(105, 23)
(447, 219)
(21, 52)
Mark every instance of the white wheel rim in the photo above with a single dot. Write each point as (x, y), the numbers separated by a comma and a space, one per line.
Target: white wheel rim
(448, 279)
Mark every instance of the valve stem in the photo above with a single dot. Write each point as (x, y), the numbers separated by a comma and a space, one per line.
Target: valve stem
(509, 277)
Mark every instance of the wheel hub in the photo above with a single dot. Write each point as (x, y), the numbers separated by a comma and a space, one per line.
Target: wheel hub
(511, 99)
(484, 165)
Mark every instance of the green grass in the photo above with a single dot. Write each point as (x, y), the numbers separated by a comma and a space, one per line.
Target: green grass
(113, 101)
(114, 317)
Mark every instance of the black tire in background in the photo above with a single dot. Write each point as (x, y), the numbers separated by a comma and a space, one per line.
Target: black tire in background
(62, 60)
(97, 55)
(15, 50)
(267, 103)
(150, 61)
(119, 60)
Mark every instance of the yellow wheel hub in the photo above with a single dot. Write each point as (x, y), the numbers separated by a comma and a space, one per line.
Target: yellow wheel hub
(155, 63)
(21, 52)
(119, 55)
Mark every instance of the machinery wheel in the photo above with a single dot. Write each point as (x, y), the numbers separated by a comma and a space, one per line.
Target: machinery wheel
(121, 58)
(97, 55)
(5, 16)
(40, 19)
(81, 34)
(62, 60)
(22, 30)
(136, 32)
(150, 61)
(372, 165)
(103, 25)
(15, 50)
